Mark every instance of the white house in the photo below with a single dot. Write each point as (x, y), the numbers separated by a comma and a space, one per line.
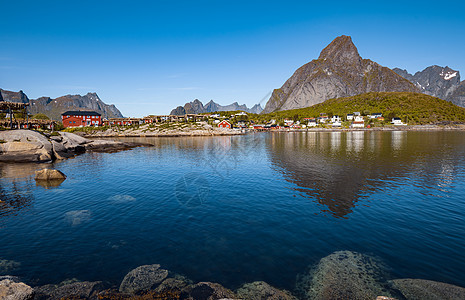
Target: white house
(358, 122)
(376, 115)
(215, 116)
(336, 121)
(241, 114)
(288, 122)
(350, 117)
(311, 123)
(397, 122)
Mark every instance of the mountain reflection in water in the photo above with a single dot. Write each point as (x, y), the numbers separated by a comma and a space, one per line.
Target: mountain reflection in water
(341, 170)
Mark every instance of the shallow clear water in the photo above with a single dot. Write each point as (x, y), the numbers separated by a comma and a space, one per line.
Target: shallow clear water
(242, 208)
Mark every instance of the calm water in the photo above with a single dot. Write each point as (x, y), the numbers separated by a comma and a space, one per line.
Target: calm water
(243, 208)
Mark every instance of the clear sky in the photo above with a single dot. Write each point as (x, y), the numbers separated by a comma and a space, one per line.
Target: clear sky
(147, 57)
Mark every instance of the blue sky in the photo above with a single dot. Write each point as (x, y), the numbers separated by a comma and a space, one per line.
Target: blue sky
(147, 57)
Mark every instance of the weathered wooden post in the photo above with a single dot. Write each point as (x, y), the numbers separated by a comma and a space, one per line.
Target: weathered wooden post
(11, 117)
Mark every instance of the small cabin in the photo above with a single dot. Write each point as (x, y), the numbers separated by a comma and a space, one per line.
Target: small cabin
(224, 124)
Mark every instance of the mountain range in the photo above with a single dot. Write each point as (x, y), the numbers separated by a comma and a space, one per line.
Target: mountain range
(441, 82)
(53, 108)
(197, 107)
(339, 71)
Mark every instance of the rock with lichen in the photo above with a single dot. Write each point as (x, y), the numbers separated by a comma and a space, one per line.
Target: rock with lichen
(260, 290)
(345, 275)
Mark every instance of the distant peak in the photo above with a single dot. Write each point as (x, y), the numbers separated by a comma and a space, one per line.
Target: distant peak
(340, 49)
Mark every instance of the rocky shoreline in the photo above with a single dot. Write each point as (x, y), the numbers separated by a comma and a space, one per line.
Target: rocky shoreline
(17, 146)
(174, 130)
(341, 275)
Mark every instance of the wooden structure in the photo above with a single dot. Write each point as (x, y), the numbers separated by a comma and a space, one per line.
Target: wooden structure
(154, 119)
(10, 108)
(81, 118)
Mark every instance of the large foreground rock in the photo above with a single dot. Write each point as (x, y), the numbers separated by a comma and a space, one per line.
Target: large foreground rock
(143, 278)
(75, 290)
(345, 275)
(260, 290)
(419, 289)
(24, 146)
(10, 290)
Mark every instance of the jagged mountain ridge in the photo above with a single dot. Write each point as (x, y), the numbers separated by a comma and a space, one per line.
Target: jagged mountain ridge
(441, 82)
(338, 72)
(197, 107)
(53, 108)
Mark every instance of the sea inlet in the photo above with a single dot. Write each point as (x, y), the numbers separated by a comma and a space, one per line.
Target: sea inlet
(236, 209)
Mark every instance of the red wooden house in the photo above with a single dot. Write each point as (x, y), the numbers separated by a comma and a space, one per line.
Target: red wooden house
(81, 118)
(224, 124)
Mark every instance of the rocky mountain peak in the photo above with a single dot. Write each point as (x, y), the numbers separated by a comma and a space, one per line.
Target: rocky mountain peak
(341, 50)
(435, 80)
(338, 72)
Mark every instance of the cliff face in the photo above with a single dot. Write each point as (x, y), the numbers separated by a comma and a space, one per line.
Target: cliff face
(338, 72)
(441, 82)
(53, 108)
(458, 96)
(14, 96)
(196, 107)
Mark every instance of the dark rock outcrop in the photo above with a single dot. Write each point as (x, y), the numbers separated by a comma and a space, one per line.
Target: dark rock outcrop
(419, 289)
(345, 275)
(338, 72)
(196, 107)
(142, 279)
(207, 291)
(75, 290)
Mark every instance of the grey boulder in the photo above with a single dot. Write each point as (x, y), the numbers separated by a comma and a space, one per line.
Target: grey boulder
(207, 291)
(419, 289)
(75, 290)
(49, 174)
(260, 290)
(143, 278)
(11, 290)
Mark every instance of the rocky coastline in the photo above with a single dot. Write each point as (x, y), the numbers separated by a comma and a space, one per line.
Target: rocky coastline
(175, 131)
(17, 146)
(340, 275)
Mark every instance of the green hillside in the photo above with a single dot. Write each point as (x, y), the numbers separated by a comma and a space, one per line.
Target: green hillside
(415, 108)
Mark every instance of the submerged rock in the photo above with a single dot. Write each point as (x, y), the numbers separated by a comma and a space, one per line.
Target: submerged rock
(345, 275)
(260, 290)
(75, 290)
(143, 278)
(77, 217)
(207, 291)
(122, 198)
(11, 290)
(6, 266)
(419, 289)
